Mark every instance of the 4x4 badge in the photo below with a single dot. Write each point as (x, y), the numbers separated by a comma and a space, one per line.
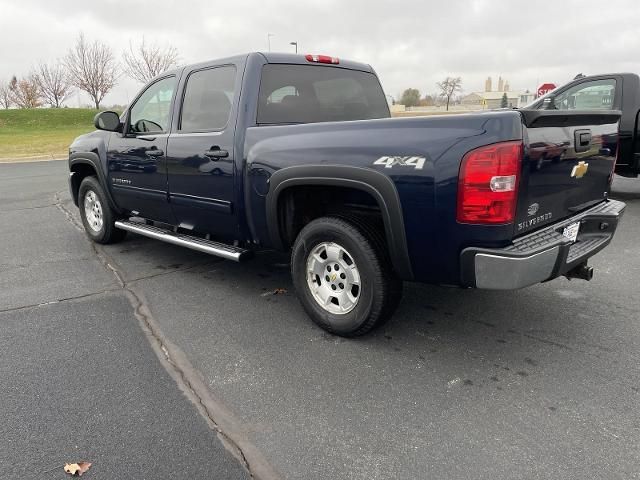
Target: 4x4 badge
(579, 170)
(389, 162)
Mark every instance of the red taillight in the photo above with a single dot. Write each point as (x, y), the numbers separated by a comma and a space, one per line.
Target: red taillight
(322, 59)
(488, 184)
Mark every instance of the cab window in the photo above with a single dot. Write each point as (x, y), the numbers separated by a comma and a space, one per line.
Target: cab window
(208, 97)
(150, 113)
(311, 93)
(594, 95)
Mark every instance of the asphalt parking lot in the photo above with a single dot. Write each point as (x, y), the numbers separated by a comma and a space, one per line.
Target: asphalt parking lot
(168, 362)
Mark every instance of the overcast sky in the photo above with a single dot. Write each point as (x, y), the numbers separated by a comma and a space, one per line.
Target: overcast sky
(411, 43)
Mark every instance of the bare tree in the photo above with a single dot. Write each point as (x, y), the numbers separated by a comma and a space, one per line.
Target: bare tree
(54, 83)
(5, 95)
(92, 68)
(450, 86)
(25, 92)
(145, 61)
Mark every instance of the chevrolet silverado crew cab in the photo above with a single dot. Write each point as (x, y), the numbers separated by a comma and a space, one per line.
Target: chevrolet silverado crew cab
(608, 92)
(298, 153)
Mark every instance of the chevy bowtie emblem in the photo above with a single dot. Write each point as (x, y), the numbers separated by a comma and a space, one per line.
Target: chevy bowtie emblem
(579, 170)
(333, 277)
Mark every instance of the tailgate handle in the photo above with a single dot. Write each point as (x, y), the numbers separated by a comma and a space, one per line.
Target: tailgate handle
(582, 140)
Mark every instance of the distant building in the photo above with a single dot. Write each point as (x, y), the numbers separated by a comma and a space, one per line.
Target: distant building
(491, 100)
(526, 98)
(503, 85)
(487, 84)
(472, 99)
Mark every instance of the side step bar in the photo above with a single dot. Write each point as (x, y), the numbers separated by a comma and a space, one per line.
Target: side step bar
(195, 243)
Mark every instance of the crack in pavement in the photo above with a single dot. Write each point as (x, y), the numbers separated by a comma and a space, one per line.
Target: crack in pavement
(174, 270)
(66, 212)
(59, 300)
(27, 208)
(176, 363)
(18, 266)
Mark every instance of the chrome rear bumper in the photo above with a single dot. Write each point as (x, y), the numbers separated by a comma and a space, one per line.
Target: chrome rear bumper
(541, 255)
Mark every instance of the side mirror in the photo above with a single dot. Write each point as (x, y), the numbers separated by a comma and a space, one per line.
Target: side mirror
(549, 103)
(109, 121)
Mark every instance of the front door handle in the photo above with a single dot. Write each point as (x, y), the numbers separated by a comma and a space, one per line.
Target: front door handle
(154, 152)
(216, 153)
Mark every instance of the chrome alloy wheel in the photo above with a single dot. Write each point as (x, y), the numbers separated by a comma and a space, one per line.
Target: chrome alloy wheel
(93, 211)
(333, 278)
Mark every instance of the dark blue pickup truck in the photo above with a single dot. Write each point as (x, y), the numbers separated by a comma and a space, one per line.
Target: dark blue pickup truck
(298, 153)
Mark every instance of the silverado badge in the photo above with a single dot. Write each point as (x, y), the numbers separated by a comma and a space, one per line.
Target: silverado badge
(579, 170)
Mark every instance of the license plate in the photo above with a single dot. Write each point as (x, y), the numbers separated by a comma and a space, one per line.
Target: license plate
(571, 231)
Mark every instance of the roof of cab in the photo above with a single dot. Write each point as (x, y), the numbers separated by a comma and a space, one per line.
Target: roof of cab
(292, 58)
(273, 57)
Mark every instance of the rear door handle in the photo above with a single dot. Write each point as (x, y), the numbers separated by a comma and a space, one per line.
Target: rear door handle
(216, 152)
(154, 152)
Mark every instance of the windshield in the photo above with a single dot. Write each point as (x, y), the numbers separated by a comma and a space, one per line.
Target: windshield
(311, 93)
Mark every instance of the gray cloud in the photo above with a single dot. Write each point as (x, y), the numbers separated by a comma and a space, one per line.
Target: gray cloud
(410, 44)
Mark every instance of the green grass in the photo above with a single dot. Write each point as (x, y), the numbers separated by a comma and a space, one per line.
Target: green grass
(41, 132)
(47, 132)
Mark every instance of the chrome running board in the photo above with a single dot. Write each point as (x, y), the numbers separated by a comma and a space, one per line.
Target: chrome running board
(228, 252)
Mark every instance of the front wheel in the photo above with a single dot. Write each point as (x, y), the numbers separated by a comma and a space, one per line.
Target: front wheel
(97, 216)
(343, 276)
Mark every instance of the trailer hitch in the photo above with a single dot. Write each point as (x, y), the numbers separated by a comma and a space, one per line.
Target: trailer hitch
(582, 271)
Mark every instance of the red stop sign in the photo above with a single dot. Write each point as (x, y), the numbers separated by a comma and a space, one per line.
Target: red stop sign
(546, 88)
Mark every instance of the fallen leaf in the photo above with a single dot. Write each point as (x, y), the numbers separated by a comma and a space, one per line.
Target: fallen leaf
(277, 291)
(77, 469)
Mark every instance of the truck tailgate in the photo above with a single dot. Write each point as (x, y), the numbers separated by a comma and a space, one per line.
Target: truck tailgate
(567, 167)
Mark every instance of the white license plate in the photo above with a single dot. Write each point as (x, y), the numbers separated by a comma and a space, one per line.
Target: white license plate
(571, 231)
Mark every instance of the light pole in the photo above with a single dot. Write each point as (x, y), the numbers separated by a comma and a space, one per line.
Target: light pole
(269, 35)
(296, 45)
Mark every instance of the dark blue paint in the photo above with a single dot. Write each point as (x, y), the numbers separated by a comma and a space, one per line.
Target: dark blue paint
(428, 196)
(227, 198)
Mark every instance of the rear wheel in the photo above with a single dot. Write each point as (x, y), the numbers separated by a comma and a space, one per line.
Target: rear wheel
(343, 276)
(98, 217)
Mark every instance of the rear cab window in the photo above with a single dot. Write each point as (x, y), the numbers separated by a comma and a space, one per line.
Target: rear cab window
(310, 94)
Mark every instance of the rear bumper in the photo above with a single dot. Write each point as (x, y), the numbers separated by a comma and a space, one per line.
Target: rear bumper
(542, 255)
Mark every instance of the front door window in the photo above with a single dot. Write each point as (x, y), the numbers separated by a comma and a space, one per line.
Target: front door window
(150, 113)
(594, 95)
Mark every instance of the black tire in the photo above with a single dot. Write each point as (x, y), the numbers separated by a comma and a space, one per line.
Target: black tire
(379, 290)
(102, 228)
